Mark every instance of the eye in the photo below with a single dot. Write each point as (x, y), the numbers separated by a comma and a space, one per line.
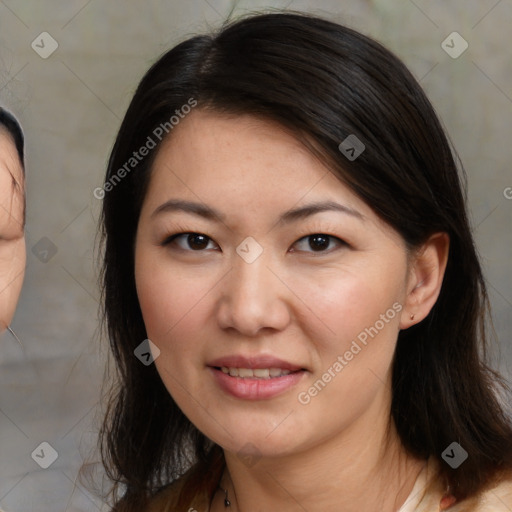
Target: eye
(189, 241)
(319, 242)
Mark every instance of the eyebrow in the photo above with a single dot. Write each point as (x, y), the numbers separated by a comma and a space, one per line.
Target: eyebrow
(301, 212)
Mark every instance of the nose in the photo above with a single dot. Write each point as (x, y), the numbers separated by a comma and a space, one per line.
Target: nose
(253, 299)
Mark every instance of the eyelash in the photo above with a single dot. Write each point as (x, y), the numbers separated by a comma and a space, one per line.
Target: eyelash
(171, 238)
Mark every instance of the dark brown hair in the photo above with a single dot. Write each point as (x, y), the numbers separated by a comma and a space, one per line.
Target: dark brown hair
(13, 128)
(325, 82)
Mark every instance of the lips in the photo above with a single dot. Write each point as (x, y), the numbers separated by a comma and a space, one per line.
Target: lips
(255, 378)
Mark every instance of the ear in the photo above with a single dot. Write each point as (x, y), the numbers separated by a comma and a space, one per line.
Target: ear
(426, 271)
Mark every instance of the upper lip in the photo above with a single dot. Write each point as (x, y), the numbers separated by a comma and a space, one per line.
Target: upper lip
(253, 362)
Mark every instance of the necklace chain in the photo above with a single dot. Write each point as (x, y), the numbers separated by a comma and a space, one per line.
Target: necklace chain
(227, 503)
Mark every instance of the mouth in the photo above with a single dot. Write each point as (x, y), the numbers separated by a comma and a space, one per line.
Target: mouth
(256, 378)
(256, 373)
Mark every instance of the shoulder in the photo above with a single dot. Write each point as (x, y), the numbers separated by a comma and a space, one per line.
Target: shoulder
(430, 495)
(495, 499)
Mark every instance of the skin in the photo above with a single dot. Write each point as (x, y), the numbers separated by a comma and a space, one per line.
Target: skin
(340, 451)
(12, 237)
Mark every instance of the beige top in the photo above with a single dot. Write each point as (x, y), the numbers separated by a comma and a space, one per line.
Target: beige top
(427, 495)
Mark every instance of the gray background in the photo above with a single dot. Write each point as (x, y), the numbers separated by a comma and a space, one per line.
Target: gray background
(71, 104)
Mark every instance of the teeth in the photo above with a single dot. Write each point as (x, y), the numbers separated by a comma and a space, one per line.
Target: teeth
(245, 372)
(263, 372)
(275, 372)
(259, 373)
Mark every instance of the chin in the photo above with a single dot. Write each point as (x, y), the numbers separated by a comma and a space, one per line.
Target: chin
(257, 443)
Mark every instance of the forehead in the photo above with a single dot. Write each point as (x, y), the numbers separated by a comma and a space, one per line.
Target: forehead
(210, 154)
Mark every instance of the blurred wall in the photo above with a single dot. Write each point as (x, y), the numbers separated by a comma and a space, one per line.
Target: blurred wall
(71, 102)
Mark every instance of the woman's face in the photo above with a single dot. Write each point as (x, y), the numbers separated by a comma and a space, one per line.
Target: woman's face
(12, 239)
(308, 323)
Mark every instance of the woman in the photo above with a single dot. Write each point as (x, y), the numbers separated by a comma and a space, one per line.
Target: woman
(12, 216)
(286, 239)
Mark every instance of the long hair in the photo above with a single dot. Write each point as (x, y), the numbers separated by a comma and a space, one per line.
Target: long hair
(324, 82)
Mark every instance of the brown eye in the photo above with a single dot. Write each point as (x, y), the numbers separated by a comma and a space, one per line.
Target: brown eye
(197, 241)
(319, 242)
(189, 241)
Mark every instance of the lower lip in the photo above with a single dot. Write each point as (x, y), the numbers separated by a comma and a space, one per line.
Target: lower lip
(256, 389)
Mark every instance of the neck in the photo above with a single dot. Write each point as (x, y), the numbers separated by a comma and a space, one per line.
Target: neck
(365, 468)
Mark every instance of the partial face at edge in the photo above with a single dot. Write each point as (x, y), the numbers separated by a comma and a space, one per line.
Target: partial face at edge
(304, 299)
(12, 238)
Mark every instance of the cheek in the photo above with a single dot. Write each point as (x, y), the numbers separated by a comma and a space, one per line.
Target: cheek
(12, 271)
(176, 310)
(353, 346)
(172, 302)
(342, 304)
